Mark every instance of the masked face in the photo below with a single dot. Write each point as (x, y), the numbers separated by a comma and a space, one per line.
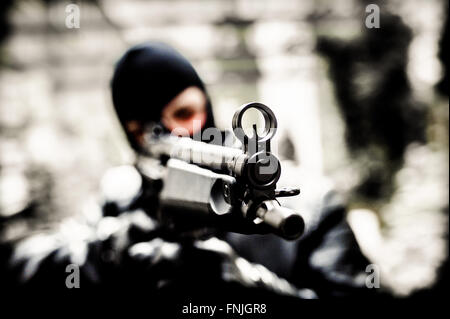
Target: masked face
(184, 115)
(154, 84)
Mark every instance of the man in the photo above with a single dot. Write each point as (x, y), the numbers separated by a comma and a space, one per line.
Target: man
(154, 85)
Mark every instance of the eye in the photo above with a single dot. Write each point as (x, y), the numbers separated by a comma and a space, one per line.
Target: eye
(183, 113)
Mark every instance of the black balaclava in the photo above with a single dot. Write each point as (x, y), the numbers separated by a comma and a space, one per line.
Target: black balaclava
(146, 79)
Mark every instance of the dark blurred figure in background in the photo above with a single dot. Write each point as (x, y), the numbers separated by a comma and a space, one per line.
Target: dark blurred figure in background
(128, 247)
(383, 118)
(383, 115)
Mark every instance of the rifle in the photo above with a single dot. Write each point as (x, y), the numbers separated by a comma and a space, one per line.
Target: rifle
(234, 188)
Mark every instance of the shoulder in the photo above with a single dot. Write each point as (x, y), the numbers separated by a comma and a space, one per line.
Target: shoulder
(121, 186)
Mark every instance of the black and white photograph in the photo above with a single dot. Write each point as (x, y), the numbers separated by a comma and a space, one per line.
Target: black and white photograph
(225, 158)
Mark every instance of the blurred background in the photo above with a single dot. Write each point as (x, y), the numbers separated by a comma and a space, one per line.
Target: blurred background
(367, 108)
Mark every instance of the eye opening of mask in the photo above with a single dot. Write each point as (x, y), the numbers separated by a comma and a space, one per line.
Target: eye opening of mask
(184, 113)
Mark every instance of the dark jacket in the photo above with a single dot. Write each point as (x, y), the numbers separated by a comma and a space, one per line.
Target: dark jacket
(125, 247)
